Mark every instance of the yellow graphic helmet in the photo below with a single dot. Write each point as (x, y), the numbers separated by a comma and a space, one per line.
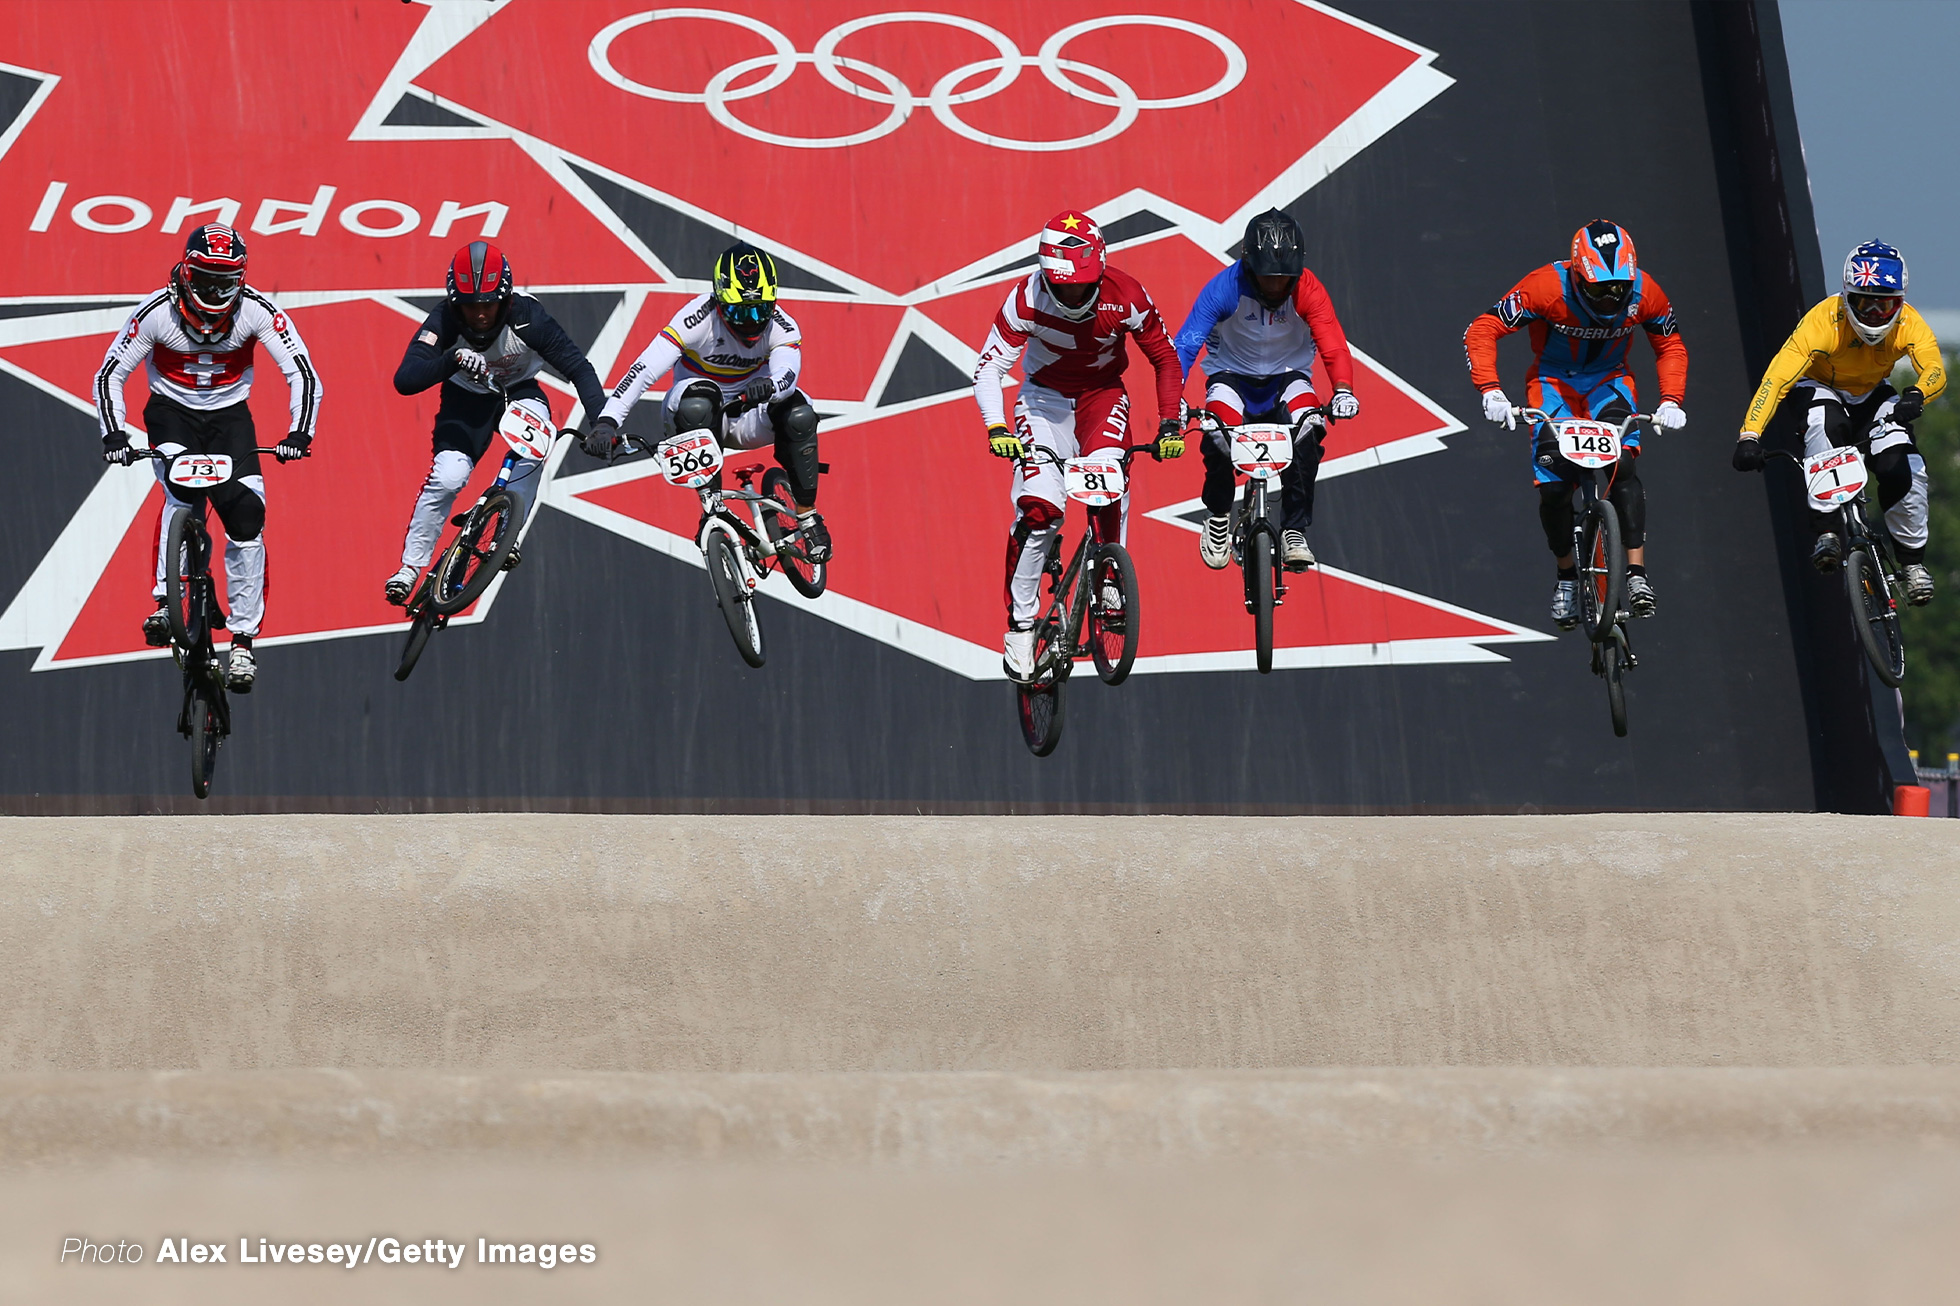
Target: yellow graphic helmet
(745, 288)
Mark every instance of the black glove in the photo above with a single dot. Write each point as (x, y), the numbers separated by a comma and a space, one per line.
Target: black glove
(115, 448)
(1912, 402)
(1748, 455)
(603, 441)
(293, 446)
(760, 390)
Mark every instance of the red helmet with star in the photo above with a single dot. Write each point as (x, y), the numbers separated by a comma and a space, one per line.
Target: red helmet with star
(1072, 251)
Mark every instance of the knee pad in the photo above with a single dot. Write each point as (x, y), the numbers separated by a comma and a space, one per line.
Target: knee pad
(450, 471)
(241, 511)
(795, 424)
(1892, 469)
(699, 407)
(1629, 498)
(1035, 515)
(1555, 515)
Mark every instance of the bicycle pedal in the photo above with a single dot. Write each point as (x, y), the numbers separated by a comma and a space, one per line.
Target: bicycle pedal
(459, 519)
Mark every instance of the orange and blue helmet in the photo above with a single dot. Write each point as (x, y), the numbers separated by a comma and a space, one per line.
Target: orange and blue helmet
(1604, 267)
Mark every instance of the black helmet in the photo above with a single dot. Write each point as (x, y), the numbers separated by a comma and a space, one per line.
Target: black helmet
(1273, 247)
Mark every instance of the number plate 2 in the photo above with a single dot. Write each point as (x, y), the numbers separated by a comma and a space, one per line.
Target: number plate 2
(1589, 444)
(1096, 480)
(1262, 450)
(526, 432)
(200, 471)
(691, 459)
(1834, 477)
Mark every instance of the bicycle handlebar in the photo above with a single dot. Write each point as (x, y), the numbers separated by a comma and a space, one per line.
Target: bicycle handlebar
(1211, 422)
(1052, 457)
(162, 457)
(1540, 415)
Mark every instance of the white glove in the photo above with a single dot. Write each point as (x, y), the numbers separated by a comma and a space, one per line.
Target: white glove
(1669, 417)
(1344, 406)
(1498, 409)
(478, 367)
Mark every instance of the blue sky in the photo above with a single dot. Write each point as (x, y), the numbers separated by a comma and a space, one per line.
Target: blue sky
(1878, 101)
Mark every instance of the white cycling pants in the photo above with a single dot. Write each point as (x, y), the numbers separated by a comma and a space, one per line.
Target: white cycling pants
(244, 563)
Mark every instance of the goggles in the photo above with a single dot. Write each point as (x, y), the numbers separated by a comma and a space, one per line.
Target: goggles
(1606, 294)
(1875, 310)
(215, 289)
(746, 319)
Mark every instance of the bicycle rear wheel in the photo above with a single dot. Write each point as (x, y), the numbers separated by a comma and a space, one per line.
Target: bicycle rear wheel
(1040, 702)
(1876, 614)
(205, 734)
(184, 557)
(737, 604)
(1616, 691)
(1602, 571)
(477, 554)
(806, 576)
(419, 630)
(1259, 594)
(1113, 632)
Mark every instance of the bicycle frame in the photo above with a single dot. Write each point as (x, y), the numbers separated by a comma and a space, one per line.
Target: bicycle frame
(1068, 598)
(1255, 515)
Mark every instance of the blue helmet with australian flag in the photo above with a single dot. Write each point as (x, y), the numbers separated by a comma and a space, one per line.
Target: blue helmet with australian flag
(1874, 289)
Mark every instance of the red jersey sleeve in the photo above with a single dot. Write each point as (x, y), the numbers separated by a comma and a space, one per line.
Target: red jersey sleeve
(1147, 326)
(1670, 351)
(1526, 302)
(1310, 301)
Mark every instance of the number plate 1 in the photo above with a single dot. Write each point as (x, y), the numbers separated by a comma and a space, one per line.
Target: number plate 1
(200, 471)
(691, 459)
(1589, 444)
(1834, 477)
(1262, 450)
(1096, 480)
(526, 432)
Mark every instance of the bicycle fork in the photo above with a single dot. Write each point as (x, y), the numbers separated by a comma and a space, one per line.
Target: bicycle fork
(1253, 520)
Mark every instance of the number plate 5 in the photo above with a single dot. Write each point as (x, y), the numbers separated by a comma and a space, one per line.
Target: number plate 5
(526, 432)
(1096, 480)
(1262, 450)
(1834, 477)
(200, 471)
(691, 459)
(1589, 444)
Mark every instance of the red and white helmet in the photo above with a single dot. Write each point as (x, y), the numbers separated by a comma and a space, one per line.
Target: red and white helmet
(480, 274)
(1073, 254)
(206, 284)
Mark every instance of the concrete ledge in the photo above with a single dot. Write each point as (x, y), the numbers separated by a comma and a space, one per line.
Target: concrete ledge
(958, 1121)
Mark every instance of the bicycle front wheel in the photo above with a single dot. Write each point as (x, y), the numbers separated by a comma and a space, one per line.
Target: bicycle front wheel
(737, 604)
(806, 576)
(418, 639)
(1876, 614)
(205, 734)
(1113, 627)
(1602, 571)
(477, 554)
(1259, 595)
(184, 558)
(1614, 669)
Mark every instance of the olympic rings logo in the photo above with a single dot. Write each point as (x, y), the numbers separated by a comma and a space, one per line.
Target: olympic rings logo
(943, 99)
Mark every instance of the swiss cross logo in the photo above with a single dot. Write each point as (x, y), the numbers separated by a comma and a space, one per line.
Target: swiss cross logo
(218, 240)
(897, 165)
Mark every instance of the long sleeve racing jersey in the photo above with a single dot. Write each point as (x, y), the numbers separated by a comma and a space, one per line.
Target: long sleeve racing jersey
(203, 376)
(1825, 348)
(697, 345)
(1239, 334)
(1071, 357)
(1568, 342)
(530, 341)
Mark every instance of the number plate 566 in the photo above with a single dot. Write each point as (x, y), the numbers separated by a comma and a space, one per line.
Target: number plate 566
(690, 460)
